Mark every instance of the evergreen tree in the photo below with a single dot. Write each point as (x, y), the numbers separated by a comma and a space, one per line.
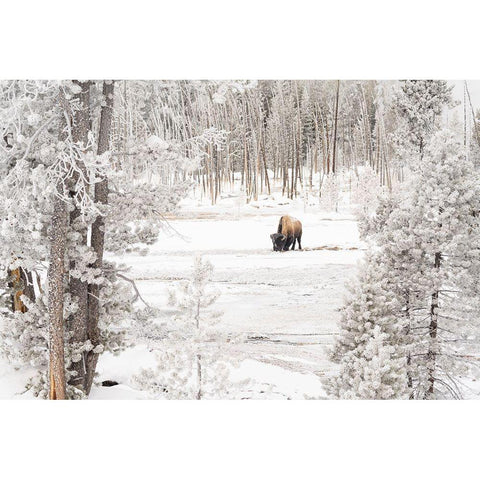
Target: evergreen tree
(420, 104)
(370, 347)
(428, 258)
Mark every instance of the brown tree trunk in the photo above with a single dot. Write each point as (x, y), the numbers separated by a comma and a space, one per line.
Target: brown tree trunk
(98, 234)
(56, 276)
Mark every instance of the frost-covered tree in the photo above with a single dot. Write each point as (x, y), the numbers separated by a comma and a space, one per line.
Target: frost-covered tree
(63, 186)
(419, 104)
(195, 358)
(443, 232)
(370, 347)
(428, 244)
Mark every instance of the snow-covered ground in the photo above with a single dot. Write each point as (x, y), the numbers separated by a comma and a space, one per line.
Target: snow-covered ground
(286, 303)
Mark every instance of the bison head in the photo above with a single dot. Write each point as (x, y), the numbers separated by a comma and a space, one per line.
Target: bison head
(278, 241)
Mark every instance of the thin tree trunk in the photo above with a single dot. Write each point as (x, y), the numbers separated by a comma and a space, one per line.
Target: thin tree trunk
(98, 234)
(433, 330)
(334, 153)
(267, 180)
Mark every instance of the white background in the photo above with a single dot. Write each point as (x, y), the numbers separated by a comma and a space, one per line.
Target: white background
(239, 39)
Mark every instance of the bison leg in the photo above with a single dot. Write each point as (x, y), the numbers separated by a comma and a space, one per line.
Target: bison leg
(293, 244)
(299, 244)
(288, 242)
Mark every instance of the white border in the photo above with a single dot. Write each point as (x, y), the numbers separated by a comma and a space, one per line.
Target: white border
(239, 440)
(151, 39)
(239, 39)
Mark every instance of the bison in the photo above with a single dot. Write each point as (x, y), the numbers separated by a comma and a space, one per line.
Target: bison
(289, 231)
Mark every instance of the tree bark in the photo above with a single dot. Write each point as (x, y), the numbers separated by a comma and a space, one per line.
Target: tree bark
(98, 234)
(81, 126)
(55, 275)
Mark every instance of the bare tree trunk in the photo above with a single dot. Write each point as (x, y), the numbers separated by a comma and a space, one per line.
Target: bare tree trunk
(335, 128)
(267, 180)
(98, 234)
(56, 277)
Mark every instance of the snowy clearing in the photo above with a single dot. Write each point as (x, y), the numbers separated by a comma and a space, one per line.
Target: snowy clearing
(285, 302)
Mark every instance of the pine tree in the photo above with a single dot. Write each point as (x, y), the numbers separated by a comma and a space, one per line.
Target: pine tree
(420, 104)
(443, 233)
(428, 247)
(370, 347)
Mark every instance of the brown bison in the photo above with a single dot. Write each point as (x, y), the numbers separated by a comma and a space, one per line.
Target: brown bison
(289, 231)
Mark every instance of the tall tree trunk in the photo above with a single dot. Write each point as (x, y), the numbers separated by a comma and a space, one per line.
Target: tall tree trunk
(98, 234)
(433, 331)
(56, 278)
(77, 323)
(334, 153)
(267, 180)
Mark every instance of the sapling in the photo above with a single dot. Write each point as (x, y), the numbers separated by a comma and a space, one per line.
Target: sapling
(195, 358)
